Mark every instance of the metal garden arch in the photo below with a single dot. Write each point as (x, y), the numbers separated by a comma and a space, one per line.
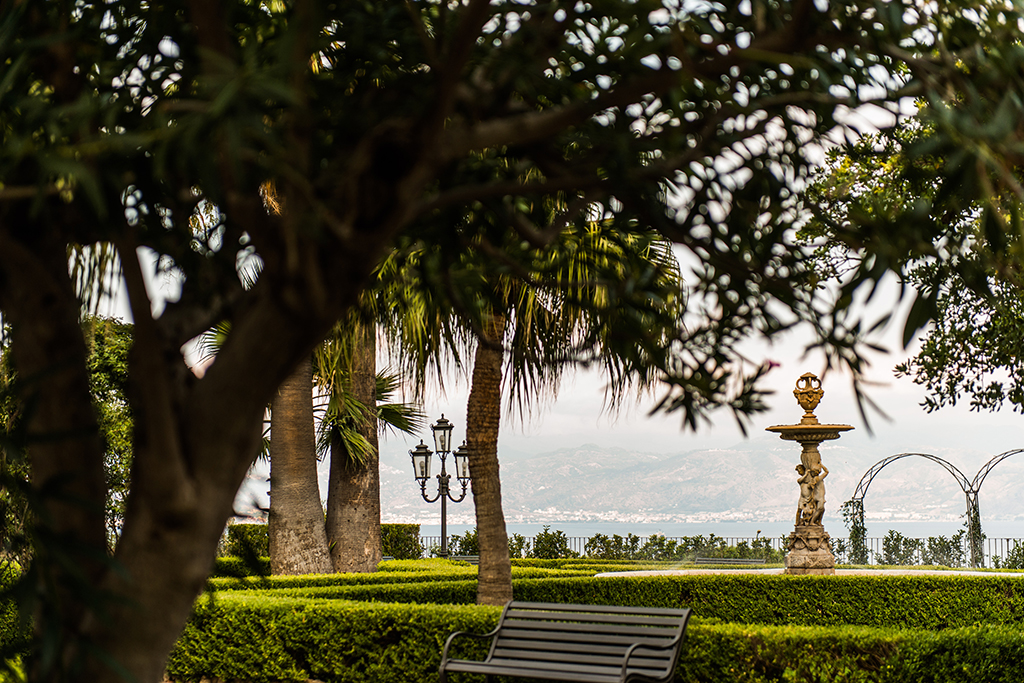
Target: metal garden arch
(969, 487)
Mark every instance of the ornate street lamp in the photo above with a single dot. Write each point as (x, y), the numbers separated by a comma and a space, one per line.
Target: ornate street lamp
(421, 470)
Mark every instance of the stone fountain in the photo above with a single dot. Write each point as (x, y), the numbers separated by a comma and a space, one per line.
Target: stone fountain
(809, 551)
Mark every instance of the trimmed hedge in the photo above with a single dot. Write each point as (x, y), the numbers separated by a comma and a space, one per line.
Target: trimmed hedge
(851, 654)
(574, 562)
(748, 627)
(312, 580)
(934, 602)
(247, 540)
(418, 565)
(309, 584)
(436, 592)
(259, 638)
(237, 567)
(252, 637)
(401, 541)
(13, 632)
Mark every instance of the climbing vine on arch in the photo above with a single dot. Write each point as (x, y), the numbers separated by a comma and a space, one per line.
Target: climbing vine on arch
(853, 517)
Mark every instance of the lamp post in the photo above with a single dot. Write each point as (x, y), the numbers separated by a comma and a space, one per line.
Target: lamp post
(420, 455)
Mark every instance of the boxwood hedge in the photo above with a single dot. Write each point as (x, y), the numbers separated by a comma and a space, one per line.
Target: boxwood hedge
(932, 602)
(441, 572)
(401, 541)
(748, 627)
(902, 600)
(261, 638)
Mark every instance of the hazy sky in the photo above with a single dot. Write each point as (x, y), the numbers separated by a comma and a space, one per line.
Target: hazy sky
(577, 415)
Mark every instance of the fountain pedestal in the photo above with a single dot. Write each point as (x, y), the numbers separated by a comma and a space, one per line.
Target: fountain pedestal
(809, 551)
(809, 544)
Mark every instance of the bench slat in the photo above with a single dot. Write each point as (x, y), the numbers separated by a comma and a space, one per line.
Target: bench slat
(575, 627)
(568, 667)
(597, 609)
(580, 644)
(615, 649)
(498, 670)
(664, 621)
(613, 660)
(583, 638)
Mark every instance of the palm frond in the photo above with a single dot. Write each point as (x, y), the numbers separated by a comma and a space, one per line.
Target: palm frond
(343, 412)
(212, 341)
(392, 417)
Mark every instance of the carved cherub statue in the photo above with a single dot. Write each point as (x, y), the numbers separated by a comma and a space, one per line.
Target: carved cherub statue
(811, 507)
(806, 496)
(818, 494)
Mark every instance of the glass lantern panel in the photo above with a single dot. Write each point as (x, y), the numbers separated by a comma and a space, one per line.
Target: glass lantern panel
(420, 461)
(442, 435)
(462, 465)
(423, 466)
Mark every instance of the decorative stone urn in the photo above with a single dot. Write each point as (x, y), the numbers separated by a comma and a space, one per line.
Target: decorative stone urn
(809, 547)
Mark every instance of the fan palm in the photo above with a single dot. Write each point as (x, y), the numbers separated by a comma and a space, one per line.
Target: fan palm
(358, 404)
(352, 411)
(594, 286)
(298, 538)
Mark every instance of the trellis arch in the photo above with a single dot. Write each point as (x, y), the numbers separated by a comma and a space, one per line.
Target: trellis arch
(971, 488)
(979, 478)
(856, 503)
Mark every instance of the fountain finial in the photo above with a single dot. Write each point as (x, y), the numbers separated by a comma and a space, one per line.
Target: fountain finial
(808, 394)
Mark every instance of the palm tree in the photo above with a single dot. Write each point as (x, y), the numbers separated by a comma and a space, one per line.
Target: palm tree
(298, 539)
(594, 284)
(353, 490)
(359, 403)
(358, 399)
(483, 417)
(422, 337)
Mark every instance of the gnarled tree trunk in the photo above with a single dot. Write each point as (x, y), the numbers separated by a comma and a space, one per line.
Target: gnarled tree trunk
(298, 540)
(483, 417)
(353, 493)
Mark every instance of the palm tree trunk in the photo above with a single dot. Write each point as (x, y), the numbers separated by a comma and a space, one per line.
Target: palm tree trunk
(298, 541)
(353, 491)
(483, 416)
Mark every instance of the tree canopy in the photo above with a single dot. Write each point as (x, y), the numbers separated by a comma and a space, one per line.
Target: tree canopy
(954, 167)
(163, 128)
(109, 342)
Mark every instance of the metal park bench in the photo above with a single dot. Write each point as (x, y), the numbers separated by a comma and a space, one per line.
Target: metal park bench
(472, 559)
(727, 560)
(585, 643)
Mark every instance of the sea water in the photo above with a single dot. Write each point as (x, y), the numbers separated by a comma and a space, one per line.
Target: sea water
(914, 529)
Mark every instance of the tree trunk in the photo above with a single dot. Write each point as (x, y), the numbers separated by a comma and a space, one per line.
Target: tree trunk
(483, 416)
(353, 493)
(298, 539)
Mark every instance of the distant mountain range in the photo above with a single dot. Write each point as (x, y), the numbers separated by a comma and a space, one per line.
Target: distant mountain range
(752, 481)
